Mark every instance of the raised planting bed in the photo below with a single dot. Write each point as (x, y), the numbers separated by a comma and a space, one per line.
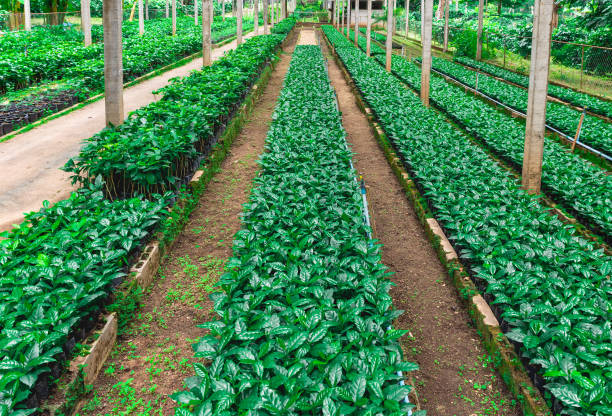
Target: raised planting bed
(160, 145)
(57, 270)
(83, 75)
(581, 187)
(579, 99)
(60, 268)
(361, 41)
(549, 288)
(596, 132)
(305, 313)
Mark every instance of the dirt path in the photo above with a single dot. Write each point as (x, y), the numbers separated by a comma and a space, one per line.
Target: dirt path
(456, 376)
(30, 162)
(154, 354)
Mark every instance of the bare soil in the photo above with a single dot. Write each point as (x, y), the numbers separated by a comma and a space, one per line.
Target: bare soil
(153, 355)
(30, 162)
(456, 375)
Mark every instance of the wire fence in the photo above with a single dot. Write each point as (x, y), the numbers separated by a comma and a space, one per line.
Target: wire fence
(582, 67)
(16, 21)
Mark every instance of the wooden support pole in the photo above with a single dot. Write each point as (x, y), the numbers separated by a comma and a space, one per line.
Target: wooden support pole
(146, 9)
(407, 22)
(422, 18)
(389, 41)
(271, 14)
(348, 19)
(266, 10)
(27, 15)
(369, 28)
(113, 61)
(196, 21)
(426, 58)
(140, 18)
(283, 8)
(86, 22)
(356, 22)
(256, 16)
(173, 17)
(579, 129)
(394, 28)
(479, 33)
(239, 22)
(446, 12)
(167, 9)
(535, 126)
(206, 33)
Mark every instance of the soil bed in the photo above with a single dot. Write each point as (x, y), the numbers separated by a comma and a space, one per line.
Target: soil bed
(153, 355)
(456, 375)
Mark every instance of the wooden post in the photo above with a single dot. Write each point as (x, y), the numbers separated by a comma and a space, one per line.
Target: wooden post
(140, 18)
(426, 58)
(407, 22)
(113, 61)
(356, 23)
(239, 23)
(86, 22)
(283, 8)
(393, 25)
(27, 15)
(348, 19)
(265, 16)
(256, 16)
(369, 28)
(422, 18)
(271, 14)
(206, 33)
(389, 41)
(479, 33)
(146, 9)
(535, 126)
(167, 9)
(173, 17)
(579, 129)
(195, 12)
(446, 11)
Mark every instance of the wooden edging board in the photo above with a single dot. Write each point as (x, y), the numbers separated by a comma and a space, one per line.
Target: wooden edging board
(97, 97)
(83, 371)
(502, 351)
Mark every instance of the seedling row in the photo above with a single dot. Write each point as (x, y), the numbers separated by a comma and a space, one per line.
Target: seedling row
(549, 287)
(304, 319)
(76, 71)
(59, 268)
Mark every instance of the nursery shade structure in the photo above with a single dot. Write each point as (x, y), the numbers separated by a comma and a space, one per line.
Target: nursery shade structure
(535, 126)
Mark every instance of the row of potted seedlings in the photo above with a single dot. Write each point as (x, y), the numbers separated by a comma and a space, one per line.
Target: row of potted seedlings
(549, 288)
(58, 269)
